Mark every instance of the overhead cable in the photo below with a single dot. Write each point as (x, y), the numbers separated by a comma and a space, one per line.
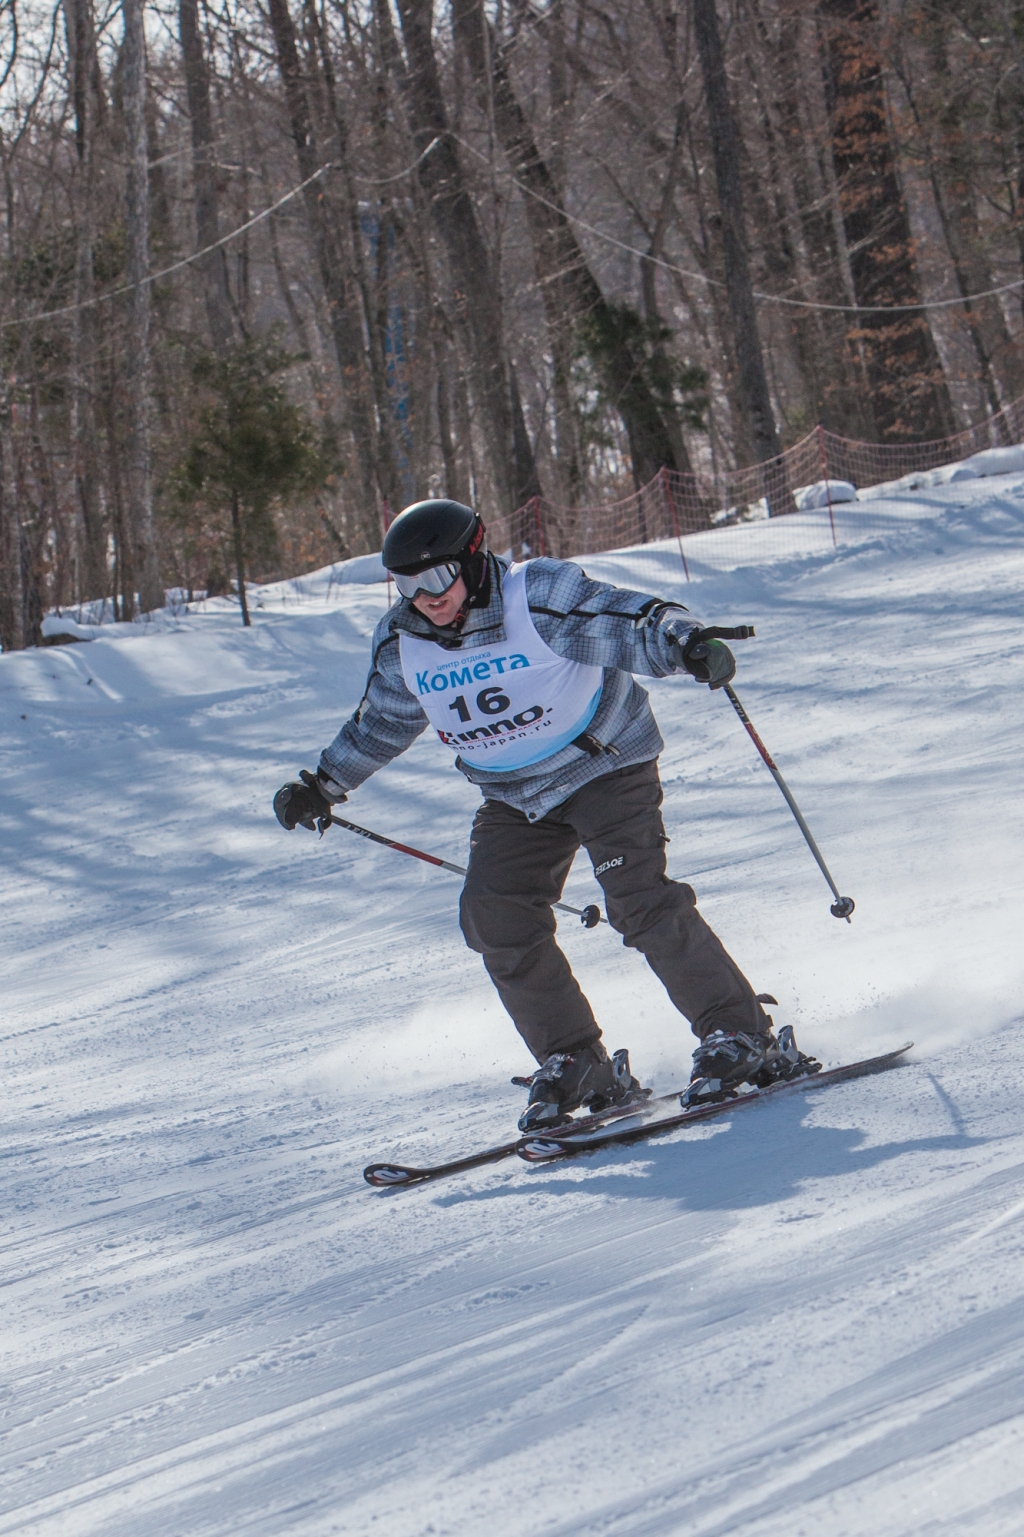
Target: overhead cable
(591, 229)
(186, 261)
(701, 277)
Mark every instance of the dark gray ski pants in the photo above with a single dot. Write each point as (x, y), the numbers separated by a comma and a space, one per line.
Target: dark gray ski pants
(517, 868)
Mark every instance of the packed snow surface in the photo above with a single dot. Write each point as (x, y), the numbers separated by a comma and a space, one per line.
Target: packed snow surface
(805, 1318)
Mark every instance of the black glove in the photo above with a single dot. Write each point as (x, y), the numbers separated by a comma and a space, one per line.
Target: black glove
(709, 661)
(305, 804)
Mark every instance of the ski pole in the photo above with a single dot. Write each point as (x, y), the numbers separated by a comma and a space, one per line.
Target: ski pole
(842, 907)
(590, 916)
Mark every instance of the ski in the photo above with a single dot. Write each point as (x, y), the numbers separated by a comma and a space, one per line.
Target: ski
(602, 1130)
(593, 1131)
(393, 1176)
(569, 1142)
(390, 1176)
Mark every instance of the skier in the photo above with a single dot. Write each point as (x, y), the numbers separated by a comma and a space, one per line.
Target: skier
(525, 673)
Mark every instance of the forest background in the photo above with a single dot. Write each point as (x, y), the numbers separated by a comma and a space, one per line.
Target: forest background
(269, 272)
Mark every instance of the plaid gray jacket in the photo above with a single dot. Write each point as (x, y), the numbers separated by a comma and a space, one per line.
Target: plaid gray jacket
(624, 632)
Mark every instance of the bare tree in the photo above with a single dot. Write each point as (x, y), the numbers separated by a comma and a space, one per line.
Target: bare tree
(88, 102)
(137, 363)
(746, 339)
(740, 290)
(571, 293)
(497, 246)
(479, 300)
(12, 625)
(212, 267)
(909, 394)
(328, 234)
(944, 142)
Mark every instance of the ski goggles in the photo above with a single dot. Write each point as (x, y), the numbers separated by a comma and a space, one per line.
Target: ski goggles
(434, 581)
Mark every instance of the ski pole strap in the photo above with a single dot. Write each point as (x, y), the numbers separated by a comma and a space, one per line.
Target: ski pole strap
(590, 916)
(724, 632)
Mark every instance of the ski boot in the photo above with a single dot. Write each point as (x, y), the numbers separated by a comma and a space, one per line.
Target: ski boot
(786, 1061)
(725, 1059)
(585, 1076)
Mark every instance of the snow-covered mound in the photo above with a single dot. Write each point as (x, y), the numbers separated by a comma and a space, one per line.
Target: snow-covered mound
(317, 589)
(824, 492)
(990, 461)
(806, 1318)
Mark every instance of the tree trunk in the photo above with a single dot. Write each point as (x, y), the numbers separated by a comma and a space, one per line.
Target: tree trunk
(50, 521)
(446, 374)
(953, 175)
(452, 479)
(706, 246)
(212, 268)
(160, 236)
(137, 362)
(567, 434)
(82, 57)
(909, 393)
(325, 225)
(239, 548)
(32, 603)
(479, 301)
(787, 66)
(387, 457)
(753, 381)
(649, 287)
(571, 292)
(124, 562)
(1005, 115)
(12, 587)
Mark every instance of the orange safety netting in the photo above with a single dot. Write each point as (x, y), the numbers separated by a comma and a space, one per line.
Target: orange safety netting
(687, 519)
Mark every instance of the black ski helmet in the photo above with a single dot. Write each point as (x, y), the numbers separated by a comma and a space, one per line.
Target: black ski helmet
(428, 533)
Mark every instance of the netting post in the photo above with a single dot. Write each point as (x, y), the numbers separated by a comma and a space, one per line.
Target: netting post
(828, 488)
(535, 504)
(666, 486)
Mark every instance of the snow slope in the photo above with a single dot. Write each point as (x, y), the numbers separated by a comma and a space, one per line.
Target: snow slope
(808, 1318)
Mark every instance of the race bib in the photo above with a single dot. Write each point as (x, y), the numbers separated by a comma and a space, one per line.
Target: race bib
(506, 705)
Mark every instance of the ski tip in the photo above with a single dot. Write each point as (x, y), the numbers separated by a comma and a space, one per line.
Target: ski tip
(384, 1176)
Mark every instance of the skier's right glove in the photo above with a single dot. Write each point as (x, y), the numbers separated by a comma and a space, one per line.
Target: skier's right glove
(305, 804)
(709, 661)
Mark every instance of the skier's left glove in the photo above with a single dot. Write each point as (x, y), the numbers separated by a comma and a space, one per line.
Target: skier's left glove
(305, 804)
(709, 661)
